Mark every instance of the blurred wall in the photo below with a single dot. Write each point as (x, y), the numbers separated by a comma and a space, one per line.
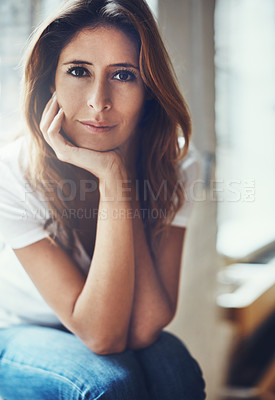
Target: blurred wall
(188, 30)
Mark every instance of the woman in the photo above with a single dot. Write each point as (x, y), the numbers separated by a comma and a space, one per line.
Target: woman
(93, 208)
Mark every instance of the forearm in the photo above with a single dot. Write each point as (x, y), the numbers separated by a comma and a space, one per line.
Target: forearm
(152, 308)
(103, 308)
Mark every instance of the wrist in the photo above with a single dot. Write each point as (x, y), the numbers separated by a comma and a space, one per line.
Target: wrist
(115, 188)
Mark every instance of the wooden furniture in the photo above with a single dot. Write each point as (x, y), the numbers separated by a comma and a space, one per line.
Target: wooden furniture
(250, 305)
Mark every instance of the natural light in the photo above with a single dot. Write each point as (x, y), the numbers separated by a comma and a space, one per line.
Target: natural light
(245, 123)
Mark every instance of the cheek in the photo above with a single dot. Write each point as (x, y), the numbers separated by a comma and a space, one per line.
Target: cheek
(133, 105)
(137, 110)
(69, 101)
(67, 96)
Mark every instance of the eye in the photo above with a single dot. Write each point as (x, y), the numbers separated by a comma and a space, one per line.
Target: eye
(125, 76)
(78, 72)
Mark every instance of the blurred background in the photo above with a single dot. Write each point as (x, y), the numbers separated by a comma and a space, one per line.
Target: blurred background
(223, 53)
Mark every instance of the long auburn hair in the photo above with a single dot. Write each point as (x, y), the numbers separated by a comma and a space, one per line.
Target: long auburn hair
(165, 118)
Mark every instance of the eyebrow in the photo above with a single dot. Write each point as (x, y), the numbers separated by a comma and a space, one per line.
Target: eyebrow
(125, 65)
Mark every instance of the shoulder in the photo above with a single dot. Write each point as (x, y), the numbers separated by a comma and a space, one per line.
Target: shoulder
(22, 209)
(11, 169)
(10, 152)
(13, 164)
(189, 167)
(188, 173)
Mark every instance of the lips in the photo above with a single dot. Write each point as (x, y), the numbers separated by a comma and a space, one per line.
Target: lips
(97, 127)
(97, 124)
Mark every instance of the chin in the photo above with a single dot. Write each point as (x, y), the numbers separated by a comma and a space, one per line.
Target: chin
(94, 147)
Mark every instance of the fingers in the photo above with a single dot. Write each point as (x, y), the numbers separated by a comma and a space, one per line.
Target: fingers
(48, 114)
(55, 125)
(51, 122)
(47, 117)
(60, 145)
(49, 104)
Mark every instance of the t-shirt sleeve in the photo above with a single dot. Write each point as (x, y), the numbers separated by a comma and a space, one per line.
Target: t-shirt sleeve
(189, 171)
(22, 215)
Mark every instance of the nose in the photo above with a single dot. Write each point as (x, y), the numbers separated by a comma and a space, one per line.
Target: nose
(99, 96)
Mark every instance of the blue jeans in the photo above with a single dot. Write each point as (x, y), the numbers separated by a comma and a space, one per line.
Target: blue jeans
(44, 363)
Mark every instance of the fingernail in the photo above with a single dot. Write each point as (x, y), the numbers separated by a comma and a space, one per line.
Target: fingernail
(54, 95)
(60, 111)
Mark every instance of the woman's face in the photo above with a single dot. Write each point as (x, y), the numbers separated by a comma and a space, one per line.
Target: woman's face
(99, 87)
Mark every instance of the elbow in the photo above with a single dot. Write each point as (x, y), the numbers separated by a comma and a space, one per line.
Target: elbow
(103, 350)
(101, 341)
(106, 346)
(141, 340)
(143, 336)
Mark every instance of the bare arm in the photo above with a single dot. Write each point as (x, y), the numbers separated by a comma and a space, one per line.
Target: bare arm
(156, 285)
(97, 308)
(103, 308)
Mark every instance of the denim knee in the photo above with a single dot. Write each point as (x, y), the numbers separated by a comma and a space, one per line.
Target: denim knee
(171, 371)
(42, 363)
(47, 364)
(119, 381)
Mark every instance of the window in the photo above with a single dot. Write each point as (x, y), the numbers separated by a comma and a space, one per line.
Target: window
(17, 20)
(245, 111)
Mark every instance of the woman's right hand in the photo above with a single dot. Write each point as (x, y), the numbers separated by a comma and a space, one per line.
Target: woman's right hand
(104, 165)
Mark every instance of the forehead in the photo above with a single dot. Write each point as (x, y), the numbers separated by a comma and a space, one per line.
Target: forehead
(106, 44)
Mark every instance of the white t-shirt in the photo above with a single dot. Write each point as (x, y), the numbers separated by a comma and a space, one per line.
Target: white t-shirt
(23, 213)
